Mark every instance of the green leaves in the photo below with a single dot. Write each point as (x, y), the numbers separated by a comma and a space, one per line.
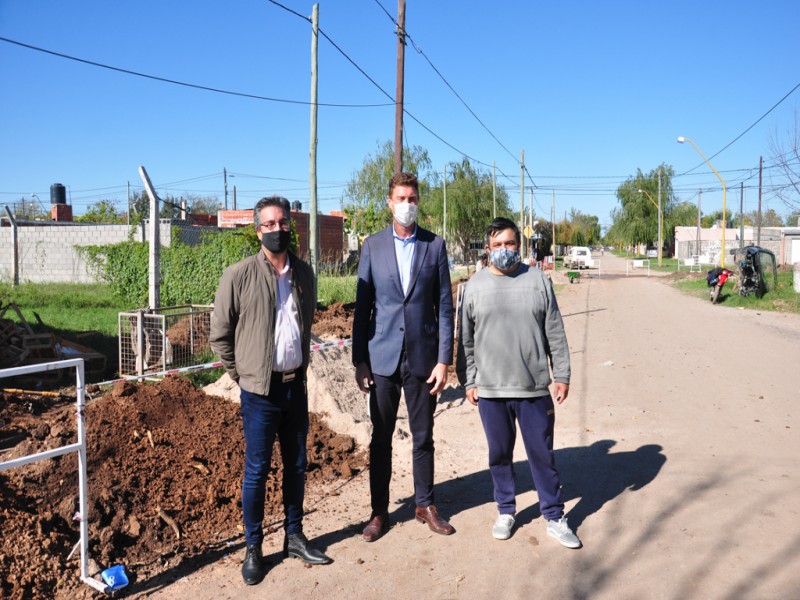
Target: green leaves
(189, 273)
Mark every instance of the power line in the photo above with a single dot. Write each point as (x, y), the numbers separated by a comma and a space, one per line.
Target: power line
(729, 144)
(442, 77)
(183, 83)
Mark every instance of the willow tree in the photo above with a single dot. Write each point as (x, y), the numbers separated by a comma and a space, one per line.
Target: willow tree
(635, 221)
(364, 198)
(470, 206)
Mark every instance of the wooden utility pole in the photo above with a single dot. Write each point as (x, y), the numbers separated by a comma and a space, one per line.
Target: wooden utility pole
(494, 190)
(444, 203)
(234, 196)
(741, 215)
(760, 173)
(398, 109)
(522, 198)
(225, 185)
(312, 155)
(554, 229)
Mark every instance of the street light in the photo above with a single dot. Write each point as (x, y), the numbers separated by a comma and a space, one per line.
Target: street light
(682, 139)
(33, 210)
(660, 221)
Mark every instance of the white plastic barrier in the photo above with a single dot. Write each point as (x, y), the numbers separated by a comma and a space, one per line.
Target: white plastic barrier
(79, 447)
(638, 263)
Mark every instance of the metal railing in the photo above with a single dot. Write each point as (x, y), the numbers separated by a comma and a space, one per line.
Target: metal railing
(79, 447)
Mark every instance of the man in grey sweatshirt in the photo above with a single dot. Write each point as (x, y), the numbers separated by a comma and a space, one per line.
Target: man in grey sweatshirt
(511, 333)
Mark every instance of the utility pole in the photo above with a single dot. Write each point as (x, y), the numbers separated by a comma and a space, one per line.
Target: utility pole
(129, 202)
(522, 198)
(398, 108)
(444, 201)
(741, 215)
(530, 222)
(660, 221)
(225, 180)
(760, 173)
(699, 193)
(312, 158)
(494, 190)
(554, 229)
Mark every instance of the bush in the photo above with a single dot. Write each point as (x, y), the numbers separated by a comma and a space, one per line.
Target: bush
(189, 274)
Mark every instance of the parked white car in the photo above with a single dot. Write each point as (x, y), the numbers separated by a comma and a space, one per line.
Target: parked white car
(579, 257)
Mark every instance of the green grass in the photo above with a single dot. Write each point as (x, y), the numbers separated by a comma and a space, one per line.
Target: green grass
(332, 289)
(84, 313)
(781, 299)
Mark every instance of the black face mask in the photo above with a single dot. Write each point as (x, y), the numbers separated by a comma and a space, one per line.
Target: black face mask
(276, 241)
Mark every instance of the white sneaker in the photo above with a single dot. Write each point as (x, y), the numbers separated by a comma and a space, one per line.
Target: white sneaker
(502, 527)
(561, 531)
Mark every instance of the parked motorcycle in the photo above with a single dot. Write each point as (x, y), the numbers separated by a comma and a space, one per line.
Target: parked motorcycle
(716, 279)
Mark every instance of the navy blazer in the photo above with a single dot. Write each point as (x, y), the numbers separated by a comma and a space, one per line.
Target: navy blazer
(384, 317)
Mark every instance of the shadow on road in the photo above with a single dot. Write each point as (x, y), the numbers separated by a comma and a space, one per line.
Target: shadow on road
(592, 473)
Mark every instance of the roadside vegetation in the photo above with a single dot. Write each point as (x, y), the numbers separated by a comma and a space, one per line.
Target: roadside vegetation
(781, 299)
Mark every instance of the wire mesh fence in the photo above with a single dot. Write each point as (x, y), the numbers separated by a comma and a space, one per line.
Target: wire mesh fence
(154, 340)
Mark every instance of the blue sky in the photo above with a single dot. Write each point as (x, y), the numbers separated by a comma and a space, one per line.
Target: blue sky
(590, 91)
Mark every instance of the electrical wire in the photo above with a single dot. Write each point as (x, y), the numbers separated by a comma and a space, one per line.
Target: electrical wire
(734, 140)
(404, 32)
(183, 83)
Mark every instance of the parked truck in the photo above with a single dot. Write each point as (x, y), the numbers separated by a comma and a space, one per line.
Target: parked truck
(579, 257)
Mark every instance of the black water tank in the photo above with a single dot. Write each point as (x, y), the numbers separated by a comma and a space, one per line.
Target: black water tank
(296, 205)
(58, 194)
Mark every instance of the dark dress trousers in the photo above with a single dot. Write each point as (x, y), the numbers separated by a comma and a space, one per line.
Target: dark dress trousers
(402, 337)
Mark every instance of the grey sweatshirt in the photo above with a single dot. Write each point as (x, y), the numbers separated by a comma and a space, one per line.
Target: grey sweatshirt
(510, 326)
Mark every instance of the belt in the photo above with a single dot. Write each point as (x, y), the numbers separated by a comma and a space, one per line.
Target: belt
(287, 376)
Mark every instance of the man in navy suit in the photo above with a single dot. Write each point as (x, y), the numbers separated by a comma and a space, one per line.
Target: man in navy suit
(403, 340)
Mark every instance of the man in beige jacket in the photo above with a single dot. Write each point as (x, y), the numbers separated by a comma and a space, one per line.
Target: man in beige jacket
(261, 329)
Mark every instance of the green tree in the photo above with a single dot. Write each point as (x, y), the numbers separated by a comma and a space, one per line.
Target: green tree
(470, 206)
(364, 198)
(169, 207)
(586, 228)
(104, 211)
(203, 205)
(708, 221)
(635, 221)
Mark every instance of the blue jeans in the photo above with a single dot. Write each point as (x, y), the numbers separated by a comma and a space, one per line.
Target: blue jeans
(536, 418)
(284, 412)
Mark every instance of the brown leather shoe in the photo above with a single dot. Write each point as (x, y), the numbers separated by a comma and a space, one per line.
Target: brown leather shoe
(377, 526)
(437, 524)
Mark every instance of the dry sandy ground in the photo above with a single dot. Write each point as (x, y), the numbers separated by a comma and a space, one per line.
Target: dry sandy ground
(678, 451)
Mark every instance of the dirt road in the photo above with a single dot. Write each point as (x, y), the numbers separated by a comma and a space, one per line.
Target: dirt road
(678, 449)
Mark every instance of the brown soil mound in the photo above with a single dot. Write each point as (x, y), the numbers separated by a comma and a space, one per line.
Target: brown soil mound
(334, 321)
(155, 453)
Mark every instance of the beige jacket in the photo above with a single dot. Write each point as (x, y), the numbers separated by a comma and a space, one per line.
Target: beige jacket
(243, 321)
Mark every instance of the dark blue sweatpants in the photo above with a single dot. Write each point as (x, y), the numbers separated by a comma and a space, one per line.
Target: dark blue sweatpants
(536, 418)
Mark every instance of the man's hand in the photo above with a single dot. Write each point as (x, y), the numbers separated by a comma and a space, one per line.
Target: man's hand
(363, 377)
(560, 392)
(472, 396)
(438, 378)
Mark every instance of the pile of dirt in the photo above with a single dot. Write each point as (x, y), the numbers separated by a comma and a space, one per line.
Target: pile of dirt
(165, 463)
(334, 321)
(164, 473)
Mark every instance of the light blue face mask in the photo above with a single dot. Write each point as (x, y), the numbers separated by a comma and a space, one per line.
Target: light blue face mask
(503, 258)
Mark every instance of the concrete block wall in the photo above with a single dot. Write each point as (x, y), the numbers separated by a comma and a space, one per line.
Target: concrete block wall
(48, 253)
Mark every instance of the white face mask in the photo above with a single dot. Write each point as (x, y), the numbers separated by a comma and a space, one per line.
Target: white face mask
(405, 213)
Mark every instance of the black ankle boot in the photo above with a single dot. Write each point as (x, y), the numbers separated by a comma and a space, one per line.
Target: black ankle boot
(297, 546)
(252, 566)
